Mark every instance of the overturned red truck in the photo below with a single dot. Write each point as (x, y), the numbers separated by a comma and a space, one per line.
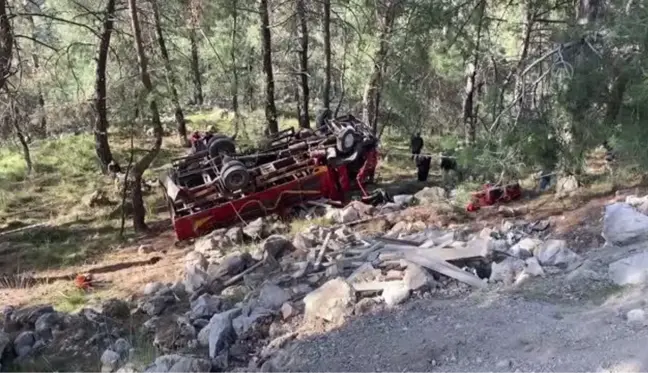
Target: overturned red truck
(215, 186)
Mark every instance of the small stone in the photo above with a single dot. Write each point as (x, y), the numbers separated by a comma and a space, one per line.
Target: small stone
(145, 249)
(507, 270)
(256, 229)
(272, 297)
(205, 306)
(153, 287)
(276, 245)
(636, 316)
(505, 363)
(365, 306)
(287, 311)
(235, 235)
(231, 265)
(532, 267)
(109, 361)
(304, 241)
(395, 292)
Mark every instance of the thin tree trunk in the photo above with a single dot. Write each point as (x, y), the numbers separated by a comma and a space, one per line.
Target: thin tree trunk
(171, 82)
(249, 92)
(139, 213)
(101, 112)
(6, 44)
(469, 113)
(304, 119)
(11, 118)
(266, 51)
(235, 77)
(42, 126)
(195, 67)
(326, 100)
(374, 85)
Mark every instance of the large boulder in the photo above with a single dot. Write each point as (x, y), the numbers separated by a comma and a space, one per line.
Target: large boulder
(623, 225)
(632, 270)
(205, 306)
(276, 245)
(431, 195)
(231, 265)
(566, 185)
(555, 253)
(332, 302)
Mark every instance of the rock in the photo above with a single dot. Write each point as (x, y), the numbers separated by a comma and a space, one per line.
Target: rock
(231, 265)
(532, 267)
(584, 274)
(205, 306)
(220, 331)
(555, 253)
(431, 195)
(632, 270)
(210, 244)
(45, 323)
(172, 336)
(109, 361)
(566, 185)
(235, 293)
(195, 276)
(395, 292)
(179, 289)
(506, 271)
(332, 301)
(27, 316)
(623, 225)
(643, 208)
(122, 347)
(417, 278)
(153, 287)
(504, 364)
(272, 297)
(348, 214)
(304, 241)
(256, 229)
(23, 343)
(155, 305)
(287, 311)
(525, 248)
(636, 316)
(399, 227)
(403, 199)
(145, 249)
(179, 364)
(235, 235)
(128, 368)
(635, 201)
(541, 225)
(220, 320)
(249, 318)
(5, 342)
(365, 306)
(276, 245)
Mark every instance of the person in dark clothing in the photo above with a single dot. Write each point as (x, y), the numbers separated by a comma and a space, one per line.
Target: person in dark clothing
(423, 166)
(416, 144)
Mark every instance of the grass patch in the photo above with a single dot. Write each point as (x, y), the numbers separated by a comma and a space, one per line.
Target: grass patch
(301, 225)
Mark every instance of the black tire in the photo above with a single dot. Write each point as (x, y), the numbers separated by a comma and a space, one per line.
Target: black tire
(346, 140)
(221, 144)
(235, 176)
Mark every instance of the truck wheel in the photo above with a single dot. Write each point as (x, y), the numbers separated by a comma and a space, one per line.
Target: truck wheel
(220, 144)
(235, 175)
(345, 140)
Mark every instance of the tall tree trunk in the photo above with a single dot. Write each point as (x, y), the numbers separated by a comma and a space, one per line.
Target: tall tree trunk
(42, 125)
(304, 118)
(469, 112)
(374, 85)
(266, 51)
(6, 44)
(101, 112)
(235, 77)
(171, 82)
(195, 67)
(139, 213)
(326, 99)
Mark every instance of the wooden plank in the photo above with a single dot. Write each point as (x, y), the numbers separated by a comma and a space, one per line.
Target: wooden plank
(445, 268)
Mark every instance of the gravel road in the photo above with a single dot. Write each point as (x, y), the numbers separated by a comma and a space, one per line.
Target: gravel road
(487, 331)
